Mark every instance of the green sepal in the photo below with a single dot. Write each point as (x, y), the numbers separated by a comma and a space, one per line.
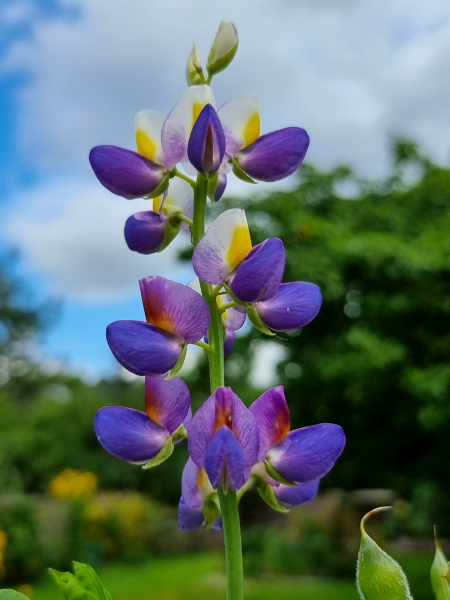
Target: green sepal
(162, 187)
(256, 321)
(378, 576)
(12, 595)
(440, 572)
(179, 434)
(91, 581)
(176, 369)
(211, 510)
(171, 231)
(71, 588)
(233, 296)
(272, 472)
(267, 494)
(165, 452)
(240, 173)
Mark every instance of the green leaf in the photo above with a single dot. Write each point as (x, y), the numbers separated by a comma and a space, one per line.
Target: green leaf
(11, 595)
(162, 455)
(256, 321)
(440, 573)
(90, 580)
(180, 362)
(240, 173)
(71, 588)
(378, 576)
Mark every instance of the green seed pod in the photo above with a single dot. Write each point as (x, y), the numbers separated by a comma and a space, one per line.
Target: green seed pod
(440, 573)
(224, 48)
(378, 576)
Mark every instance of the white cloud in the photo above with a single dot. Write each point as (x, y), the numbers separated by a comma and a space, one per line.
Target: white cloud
(74, 235)
(350, 72)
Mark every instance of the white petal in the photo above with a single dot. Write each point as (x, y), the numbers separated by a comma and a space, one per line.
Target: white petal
(148, 126)
(178, 125)
(223, 246)
(179, 194)
(241, 122)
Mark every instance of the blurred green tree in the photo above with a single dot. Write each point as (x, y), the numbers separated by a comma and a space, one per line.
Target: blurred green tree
(376, 360)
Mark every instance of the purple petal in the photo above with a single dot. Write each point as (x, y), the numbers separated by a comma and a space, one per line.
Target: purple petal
(228, 342)
(124, 172)
(275, 155)
(307, 454)
(294, 496)
(272, 415)
(293, 306)
(224, 460)
(167, 402)
(220, 187)
(223, 408)
(129, 434)
(259, 275)
(142, 348)
(206, 145)
(190, 491)
(175, 308)
(189, 518)
(233, 318)
(145, 232)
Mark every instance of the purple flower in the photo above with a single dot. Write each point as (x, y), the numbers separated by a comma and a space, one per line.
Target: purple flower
(199, 503)
(225, 255)
(223, 439)
(293, 306)
(127, 173)
(152, 231)
(302, 456)
(138, 437)
(207, 142)
(269, 157)
(176, 315)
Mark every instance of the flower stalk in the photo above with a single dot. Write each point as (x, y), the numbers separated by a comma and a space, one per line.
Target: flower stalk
(228, 500)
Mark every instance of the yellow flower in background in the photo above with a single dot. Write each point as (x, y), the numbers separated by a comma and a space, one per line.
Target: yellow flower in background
(71, 484)
(26, 590)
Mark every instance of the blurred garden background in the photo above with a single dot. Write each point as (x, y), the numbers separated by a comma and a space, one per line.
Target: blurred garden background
(367, 218)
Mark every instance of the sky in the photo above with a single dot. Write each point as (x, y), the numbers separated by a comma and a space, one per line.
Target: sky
(73, 73)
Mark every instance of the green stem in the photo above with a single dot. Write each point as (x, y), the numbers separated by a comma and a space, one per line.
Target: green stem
(181, 175)
(233, 544)
(228, 500)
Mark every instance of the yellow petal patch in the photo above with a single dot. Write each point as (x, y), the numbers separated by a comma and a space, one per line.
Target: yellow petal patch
(197, 108)
(240, 246)
(157, 203)
(145, 145)
(252, 129)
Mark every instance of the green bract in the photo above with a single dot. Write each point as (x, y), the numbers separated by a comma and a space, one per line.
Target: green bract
(194, 74)
(378, 576)
(440, 573)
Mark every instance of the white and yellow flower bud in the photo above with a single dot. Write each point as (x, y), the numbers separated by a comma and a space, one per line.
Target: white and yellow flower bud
(224, 48)
(194, 72)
